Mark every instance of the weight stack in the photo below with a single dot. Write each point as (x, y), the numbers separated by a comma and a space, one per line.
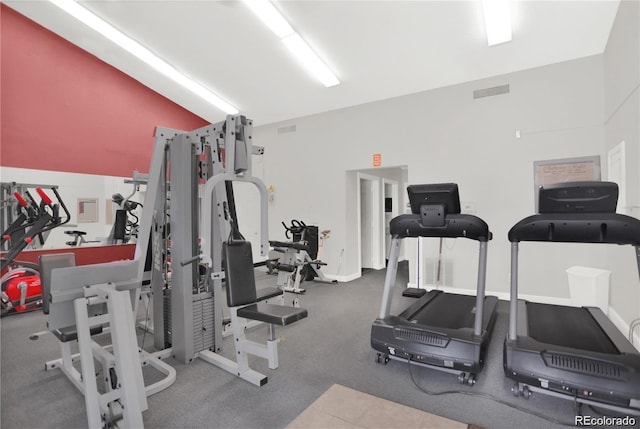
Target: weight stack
(203, 323)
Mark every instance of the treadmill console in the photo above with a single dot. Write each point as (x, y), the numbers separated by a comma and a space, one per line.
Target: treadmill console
(433, 202)
(578, 197)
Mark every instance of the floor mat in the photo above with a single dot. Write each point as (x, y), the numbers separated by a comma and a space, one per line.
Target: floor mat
(342, 407)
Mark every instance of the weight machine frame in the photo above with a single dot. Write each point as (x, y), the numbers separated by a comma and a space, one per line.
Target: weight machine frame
(185, 221)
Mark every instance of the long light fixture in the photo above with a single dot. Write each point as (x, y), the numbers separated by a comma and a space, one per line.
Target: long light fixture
(136, 49)
(497, 21)
(272, 18)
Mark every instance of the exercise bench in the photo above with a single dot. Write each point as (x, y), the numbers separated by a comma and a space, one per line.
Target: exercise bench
(245, 305)
(88, 300)
(291, 266)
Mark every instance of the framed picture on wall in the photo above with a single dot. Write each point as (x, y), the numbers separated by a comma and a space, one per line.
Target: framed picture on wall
(563, 170)
(87, 210)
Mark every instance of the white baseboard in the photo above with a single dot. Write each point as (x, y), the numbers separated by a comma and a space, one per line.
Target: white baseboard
(349, 277)
(447, 289)
(555, 300)
(343, 278)
(502, 295)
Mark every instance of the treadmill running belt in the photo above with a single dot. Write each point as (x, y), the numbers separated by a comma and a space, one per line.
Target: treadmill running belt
(447, 311)
(567, 327)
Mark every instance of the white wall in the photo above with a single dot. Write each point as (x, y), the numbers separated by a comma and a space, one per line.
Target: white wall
(444, 135)
(622, 119)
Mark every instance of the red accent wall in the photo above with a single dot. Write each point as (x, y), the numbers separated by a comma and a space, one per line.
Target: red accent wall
(63, 109)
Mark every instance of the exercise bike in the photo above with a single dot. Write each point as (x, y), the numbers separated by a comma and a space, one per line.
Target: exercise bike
(299, 261)
(21, 288)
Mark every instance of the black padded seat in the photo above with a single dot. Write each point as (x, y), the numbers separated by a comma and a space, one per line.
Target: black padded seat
(268, 292)
(241, 289)
(275, 314)
(70, 333)
(74, 232)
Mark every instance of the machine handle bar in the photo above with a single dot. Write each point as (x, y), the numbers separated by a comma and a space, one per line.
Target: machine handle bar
(44, 196)
(21, 200)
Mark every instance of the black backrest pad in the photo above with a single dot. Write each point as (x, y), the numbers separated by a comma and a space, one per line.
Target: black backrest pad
(47, 264)
(120, 225)
(311, 237)
(239, 275)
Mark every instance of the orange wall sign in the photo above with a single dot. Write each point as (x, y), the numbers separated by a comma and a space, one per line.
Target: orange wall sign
(377, 159)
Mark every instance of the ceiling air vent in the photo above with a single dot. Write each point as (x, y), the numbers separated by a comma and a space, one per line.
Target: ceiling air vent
(489, 92)
(289, 129)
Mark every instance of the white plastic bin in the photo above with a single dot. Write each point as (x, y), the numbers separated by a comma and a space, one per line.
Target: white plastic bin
(589, 287)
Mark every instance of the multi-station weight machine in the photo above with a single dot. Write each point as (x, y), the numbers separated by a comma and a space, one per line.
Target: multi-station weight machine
(194, 210)
(188, 214)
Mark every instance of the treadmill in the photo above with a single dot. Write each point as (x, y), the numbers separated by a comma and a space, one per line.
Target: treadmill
(569, 352)
(449, 332)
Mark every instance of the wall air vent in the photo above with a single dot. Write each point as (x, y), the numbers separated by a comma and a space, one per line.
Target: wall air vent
(289, 129)
(489, 92)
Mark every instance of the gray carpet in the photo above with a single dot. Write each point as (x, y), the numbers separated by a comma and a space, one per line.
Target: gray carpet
(330, 346)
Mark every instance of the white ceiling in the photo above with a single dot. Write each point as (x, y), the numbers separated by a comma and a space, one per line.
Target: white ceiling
(378, 49)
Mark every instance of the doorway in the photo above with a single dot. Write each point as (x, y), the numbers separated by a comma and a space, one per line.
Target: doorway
(377, 201)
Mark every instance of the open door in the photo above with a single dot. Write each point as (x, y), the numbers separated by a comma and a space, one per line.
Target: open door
(391, 198)
(370, 194)
(369, 221)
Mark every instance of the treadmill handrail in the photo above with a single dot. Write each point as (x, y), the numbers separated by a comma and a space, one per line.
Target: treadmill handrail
(392, 269)
(611, 228)
(456, 226)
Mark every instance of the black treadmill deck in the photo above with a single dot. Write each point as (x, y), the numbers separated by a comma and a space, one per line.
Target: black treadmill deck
(447, 341)
(572, 327)
(442, 310)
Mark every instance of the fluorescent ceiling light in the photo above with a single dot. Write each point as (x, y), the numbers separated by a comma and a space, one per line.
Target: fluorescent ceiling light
(136, 49)
(497, 21)
(310, 60)
(265, 10)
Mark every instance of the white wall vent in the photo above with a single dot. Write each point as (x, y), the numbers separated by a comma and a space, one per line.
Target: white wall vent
(289, 129)
(489, 92)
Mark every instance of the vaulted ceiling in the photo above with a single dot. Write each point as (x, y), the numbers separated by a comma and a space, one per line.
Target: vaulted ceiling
(378, 49)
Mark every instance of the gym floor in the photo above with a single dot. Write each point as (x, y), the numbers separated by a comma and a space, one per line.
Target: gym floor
(329, 347)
